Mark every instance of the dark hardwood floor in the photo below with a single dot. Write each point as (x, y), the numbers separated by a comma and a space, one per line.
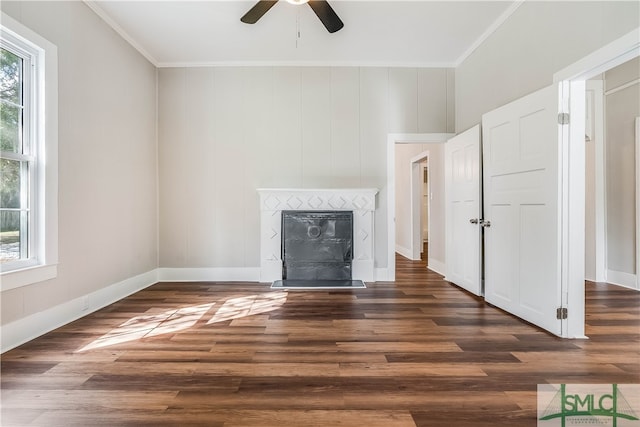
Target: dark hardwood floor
(419, 351)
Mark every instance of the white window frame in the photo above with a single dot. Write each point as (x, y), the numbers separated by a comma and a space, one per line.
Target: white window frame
(29, 153)
(41, 126)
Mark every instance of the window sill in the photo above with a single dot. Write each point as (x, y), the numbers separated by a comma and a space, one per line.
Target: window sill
(27, 276)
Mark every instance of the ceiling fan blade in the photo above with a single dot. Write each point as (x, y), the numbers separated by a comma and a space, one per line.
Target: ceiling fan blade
(256, 12)
(327, 15)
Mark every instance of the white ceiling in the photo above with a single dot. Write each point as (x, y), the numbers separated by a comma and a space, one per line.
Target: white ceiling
(401, 33)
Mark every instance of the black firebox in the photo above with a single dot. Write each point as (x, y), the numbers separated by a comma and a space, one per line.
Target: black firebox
(317, 245)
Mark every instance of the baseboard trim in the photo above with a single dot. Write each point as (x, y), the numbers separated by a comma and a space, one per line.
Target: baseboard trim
(405, 252)
(436, 266)
(621, 278)
(239, 274)
(23, 330)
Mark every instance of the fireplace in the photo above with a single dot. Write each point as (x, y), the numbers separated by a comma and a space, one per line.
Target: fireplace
(359, 204)
(317, 245)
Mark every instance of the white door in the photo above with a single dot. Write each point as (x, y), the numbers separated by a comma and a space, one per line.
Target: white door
(425, 202)
(521, 157)
(463, 210)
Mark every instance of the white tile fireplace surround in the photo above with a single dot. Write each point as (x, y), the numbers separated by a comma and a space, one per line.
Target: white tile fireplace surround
(361, 201)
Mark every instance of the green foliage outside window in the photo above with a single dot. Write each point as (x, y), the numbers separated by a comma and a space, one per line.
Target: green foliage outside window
(11, 110)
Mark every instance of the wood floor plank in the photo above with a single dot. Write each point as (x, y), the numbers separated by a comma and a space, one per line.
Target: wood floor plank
(430, 400)
(415, 352)
(310, 418)
(313, 357)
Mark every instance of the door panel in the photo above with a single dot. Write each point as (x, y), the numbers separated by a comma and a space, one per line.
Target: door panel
(463, 196)
(521, 193)
(499, 266)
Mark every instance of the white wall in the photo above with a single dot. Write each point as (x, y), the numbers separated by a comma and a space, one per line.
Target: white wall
(404, 154)
(223, 132)
(539, 39)
(591, 159)
(107, 158)
(622, 106)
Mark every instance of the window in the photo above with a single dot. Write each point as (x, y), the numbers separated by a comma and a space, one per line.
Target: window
(18, 159)
(28, 156)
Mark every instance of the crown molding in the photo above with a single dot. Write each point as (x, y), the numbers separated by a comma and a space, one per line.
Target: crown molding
(489, 31)
(327, 63)
(121, 32)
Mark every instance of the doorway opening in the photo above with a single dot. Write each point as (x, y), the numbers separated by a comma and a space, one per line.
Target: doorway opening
(594, 182)
(424, 204)
(436, 141)
(419, 218)
(612, 105)
(621, 107)
(573, 81)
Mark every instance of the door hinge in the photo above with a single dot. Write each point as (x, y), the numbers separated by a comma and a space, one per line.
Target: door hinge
(563, 118)
(561, 313)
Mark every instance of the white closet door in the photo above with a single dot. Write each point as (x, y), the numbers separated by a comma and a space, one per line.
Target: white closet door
(463, 210)
(521, 158)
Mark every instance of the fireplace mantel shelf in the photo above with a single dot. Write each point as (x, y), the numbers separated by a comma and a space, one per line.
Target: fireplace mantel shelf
(362, 201)
(354, 199)
(318, 190)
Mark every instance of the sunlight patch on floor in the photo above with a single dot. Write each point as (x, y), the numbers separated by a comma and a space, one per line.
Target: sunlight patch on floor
(236, 308)
(180, 319)
(149, 325)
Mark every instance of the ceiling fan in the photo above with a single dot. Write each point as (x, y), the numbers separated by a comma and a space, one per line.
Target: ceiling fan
(321, 8)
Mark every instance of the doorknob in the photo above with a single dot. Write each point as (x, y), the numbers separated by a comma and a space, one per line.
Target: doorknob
(474, 221)
(486, 224)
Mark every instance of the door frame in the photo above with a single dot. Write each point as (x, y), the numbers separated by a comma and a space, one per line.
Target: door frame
(416, 204)
(573, 80)
(597, 124)
(392, 140)
(637, 203)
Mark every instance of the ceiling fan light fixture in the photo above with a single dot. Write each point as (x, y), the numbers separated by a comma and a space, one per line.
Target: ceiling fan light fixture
(321, 8)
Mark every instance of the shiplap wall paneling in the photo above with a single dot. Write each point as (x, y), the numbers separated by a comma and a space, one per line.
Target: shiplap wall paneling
(403, 100)
(229, 167)
(316, 127)
(225, 131)
(374, 114)
(173, 153)
(432, 96)
(259, 136)
(345, 127)
(286, 156)
(197, 148)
